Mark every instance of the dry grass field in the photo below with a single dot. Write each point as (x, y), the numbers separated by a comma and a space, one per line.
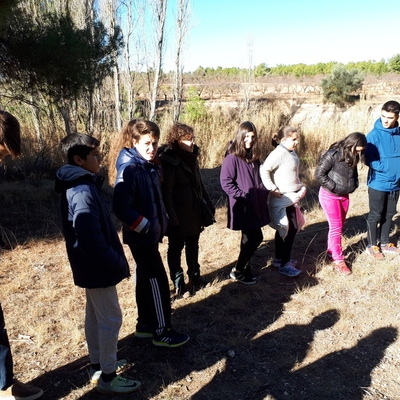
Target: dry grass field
(321, 336)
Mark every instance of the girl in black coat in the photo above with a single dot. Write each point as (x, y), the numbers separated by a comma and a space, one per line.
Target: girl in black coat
(337, 174)
(183, 193)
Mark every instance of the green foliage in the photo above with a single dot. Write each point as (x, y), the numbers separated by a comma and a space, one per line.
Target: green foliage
(340, 84)
(300, 70)
(394, 63)
(56, 58)
(195, 108)
(261, 70)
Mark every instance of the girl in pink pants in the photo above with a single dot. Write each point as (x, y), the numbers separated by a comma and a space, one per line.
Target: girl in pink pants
(337, 174)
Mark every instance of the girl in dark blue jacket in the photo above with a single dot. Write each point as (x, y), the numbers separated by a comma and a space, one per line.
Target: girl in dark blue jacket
(139, 205)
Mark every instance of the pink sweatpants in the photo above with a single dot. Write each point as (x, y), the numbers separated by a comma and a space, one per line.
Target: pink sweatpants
(335, 208)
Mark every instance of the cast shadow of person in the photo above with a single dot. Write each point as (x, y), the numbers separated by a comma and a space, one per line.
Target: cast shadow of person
(252, 373)
(270, 368)
(343, 374)
(227, 322)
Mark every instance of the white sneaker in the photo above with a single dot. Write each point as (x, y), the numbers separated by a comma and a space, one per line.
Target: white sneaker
(95, 375)
(118, 385)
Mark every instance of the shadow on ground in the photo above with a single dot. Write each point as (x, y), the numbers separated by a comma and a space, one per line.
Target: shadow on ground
(226, 333)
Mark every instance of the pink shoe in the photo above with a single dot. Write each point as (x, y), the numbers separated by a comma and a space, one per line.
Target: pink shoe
(341, 267)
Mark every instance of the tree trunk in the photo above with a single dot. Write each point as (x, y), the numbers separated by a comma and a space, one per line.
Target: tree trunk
(182, 24)
(159, 14)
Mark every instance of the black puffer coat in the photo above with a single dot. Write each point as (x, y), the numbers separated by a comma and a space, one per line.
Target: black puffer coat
(336, 176)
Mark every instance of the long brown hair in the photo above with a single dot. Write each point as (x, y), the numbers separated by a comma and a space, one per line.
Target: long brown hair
(130, 132)
(238, 148)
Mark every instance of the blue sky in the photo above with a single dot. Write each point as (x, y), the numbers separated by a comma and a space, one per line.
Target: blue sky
(241, 33)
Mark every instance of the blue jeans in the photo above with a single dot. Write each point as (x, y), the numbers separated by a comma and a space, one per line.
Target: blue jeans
(6, 364)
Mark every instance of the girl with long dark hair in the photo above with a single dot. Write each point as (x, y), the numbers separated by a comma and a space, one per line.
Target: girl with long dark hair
(247, 197)
(337, 174)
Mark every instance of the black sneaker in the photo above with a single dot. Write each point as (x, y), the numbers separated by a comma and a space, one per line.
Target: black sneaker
(170, 338)
(143, 331)
(248, 274)
(240, 277)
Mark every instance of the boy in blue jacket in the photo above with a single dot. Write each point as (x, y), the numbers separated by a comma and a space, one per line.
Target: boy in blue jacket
(96, 256)
(382, 155)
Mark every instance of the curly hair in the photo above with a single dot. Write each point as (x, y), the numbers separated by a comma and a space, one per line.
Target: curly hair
(177, 132)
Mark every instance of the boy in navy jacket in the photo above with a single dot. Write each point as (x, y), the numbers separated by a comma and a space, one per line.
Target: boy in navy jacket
(96, 256)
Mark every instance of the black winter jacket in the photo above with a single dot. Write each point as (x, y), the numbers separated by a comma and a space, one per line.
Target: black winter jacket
(183, 190)
(94, 250)
(336, 176)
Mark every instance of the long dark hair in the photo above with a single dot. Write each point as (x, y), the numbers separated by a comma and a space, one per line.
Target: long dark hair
(238, 149)
(347, 148)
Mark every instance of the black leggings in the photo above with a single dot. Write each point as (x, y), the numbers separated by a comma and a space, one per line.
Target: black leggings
(283, 247)
(249, 243)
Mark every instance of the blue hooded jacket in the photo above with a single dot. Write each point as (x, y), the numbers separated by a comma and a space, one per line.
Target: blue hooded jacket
(94, 250)
(382, 155)
(137, 200)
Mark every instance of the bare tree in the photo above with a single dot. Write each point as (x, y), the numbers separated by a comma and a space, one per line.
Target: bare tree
(133, 31)
(182, 26)
(159, 16)
(248, 78)
(108, 14)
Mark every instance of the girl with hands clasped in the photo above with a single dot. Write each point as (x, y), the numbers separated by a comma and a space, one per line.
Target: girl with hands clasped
(247, 197)
(337, 174)
(280, 175)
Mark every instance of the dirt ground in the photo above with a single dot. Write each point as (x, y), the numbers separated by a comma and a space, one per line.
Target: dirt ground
(321, 336)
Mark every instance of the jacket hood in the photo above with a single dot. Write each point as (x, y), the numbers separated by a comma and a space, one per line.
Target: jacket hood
(392, 131)
(71, 175)
(128, 157)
